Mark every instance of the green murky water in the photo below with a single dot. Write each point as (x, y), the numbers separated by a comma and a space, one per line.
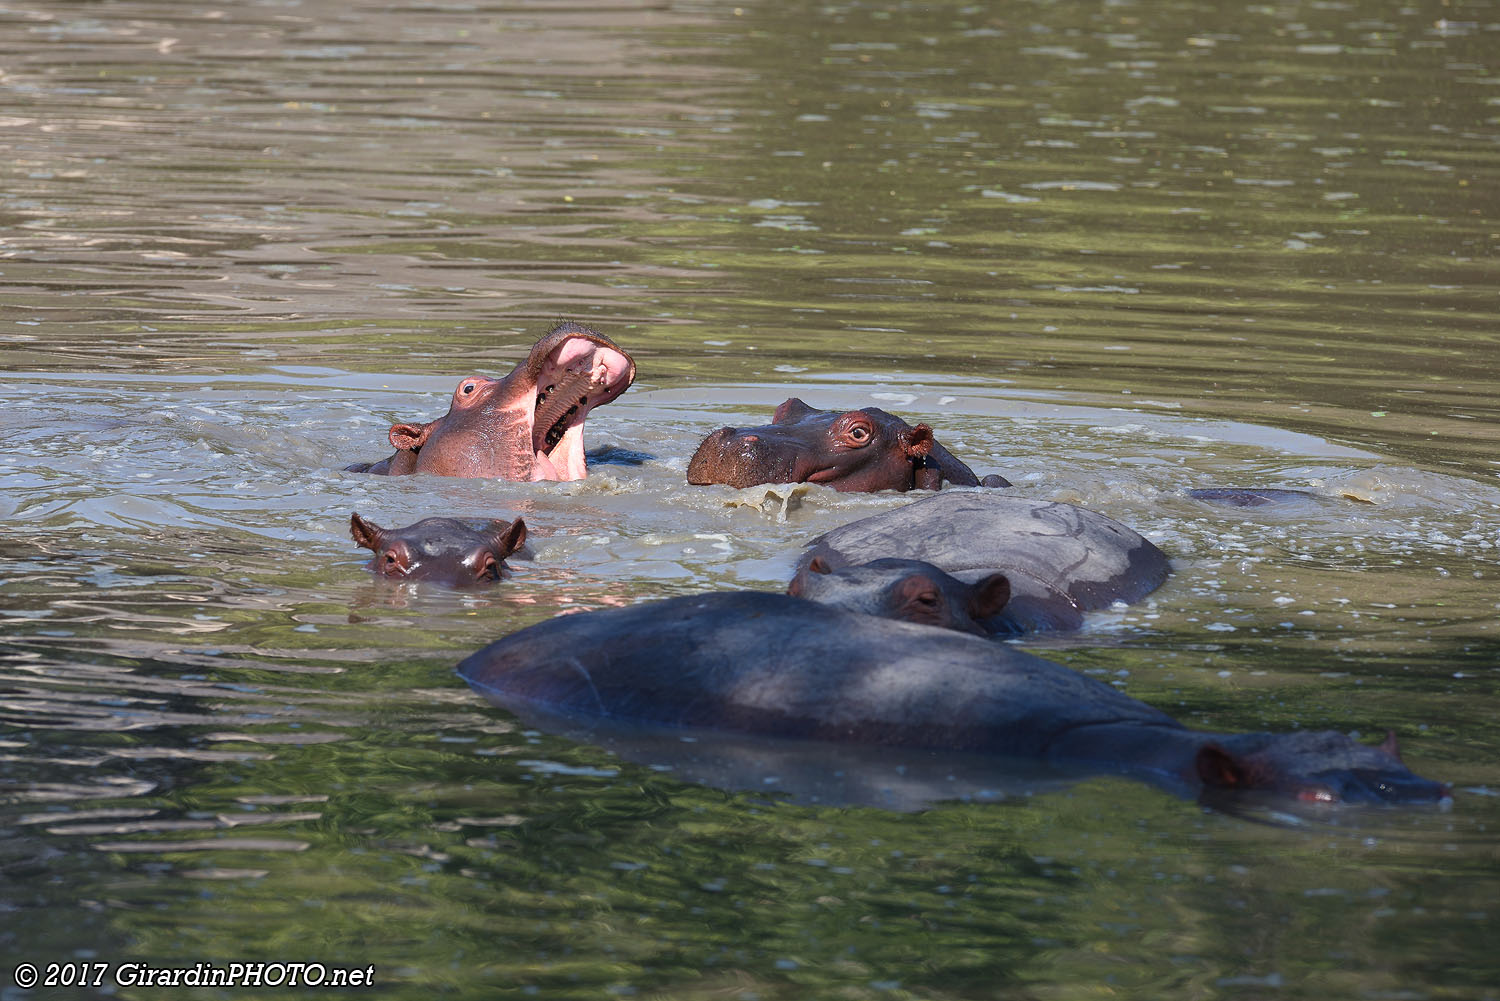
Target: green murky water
(1113, 251)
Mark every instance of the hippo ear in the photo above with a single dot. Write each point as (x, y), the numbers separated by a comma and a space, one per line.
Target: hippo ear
(507, 537)
(1391, 746)
(790, 412)
(989, 596)
(1218, 769)
(817, 565)
(410, 437)
(919, 441)
(366, 534)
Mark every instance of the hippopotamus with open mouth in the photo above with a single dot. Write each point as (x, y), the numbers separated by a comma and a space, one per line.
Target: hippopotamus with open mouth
(855, 451)
(1059, 560)
(526, 426)
(771, 665)
(443, 550)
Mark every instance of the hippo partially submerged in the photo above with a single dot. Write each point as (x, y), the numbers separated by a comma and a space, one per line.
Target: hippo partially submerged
(1059, 560)
(526, 426)
(443, 550)
(854, 451)
(909, 590)
(775, 666)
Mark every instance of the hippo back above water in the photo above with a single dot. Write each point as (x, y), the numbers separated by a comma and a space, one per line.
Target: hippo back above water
(759, 662)
(776, 666)
(1060, 560)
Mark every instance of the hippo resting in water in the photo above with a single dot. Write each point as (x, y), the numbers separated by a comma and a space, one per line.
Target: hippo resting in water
(1058, 560)
(909, 590)
(858, 451)
(444, 550)
(753, 663)
(526, 426)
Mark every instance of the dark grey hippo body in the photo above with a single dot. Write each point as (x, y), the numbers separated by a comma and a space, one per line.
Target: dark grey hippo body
(1060, 560)
(1253, 496)
(771, 665)
(756, 662)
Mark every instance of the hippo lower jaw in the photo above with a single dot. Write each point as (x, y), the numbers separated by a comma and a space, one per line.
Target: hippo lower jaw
(829, 475)
(578, 376)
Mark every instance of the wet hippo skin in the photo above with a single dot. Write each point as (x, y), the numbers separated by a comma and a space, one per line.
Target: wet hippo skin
(755, 663)
(1251, 496)
(852, 451)
(526, 426)
(442, 550)
(909, 590)
(1059, 560)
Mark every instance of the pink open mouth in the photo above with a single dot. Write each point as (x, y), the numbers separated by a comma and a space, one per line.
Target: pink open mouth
(579, 376)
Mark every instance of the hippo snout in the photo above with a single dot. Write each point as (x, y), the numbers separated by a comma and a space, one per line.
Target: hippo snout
(707, 458)
(1369, 785)
(738, 458)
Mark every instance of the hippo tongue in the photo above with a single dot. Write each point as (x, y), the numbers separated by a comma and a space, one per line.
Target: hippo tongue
(555, 406)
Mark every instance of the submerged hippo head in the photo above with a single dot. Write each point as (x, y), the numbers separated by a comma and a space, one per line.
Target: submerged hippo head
(853, 451)
(904, 589)
(1323, 767)
(526, 426)
(443, 550)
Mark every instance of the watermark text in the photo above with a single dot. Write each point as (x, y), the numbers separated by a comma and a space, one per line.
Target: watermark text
(28, 975)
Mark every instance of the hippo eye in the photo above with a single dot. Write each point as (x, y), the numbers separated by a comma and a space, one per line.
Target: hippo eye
(393, 565)
(857, 434)
(466, 391)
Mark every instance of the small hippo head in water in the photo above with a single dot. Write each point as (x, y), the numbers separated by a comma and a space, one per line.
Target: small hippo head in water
(1316, 767)
(851, 451)
(526, 426)
(904, 589)
(443, 550)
